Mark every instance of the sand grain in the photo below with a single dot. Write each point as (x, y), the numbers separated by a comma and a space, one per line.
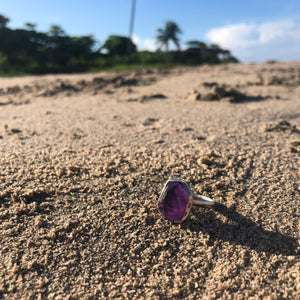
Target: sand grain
(83, 159)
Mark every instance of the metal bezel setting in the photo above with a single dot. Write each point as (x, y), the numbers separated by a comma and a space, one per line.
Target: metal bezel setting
(187, 188)
(193, 198)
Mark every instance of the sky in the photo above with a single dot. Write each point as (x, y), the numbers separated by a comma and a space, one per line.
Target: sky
(254, 31)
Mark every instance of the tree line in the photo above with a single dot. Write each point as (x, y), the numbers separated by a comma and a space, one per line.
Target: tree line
(29, 51)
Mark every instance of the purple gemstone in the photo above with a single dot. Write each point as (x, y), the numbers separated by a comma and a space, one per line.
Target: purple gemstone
(174, 204)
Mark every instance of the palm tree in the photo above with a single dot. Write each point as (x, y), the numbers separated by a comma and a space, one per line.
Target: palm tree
(169, 33)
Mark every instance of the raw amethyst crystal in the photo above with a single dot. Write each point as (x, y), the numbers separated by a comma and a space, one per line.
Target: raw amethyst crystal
(175, 201)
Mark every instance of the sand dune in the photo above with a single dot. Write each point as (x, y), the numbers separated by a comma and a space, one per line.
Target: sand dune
(84, 157)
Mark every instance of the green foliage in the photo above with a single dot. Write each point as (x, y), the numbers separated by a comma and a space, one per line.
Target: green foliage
(56, 31)
(3, 21)
(28, 51)
(119, 45)
(196, 44)
(3, 63)
(30, 26)
(214, 46)
(199, 53)
(138, 60)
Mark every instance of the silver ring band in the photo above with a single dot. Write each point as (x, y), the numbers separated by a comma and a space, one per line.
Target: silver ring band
(202, 200)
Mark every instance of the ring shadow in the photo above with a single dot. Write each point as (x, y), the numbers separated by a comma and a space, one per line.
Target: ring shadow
(244, 232)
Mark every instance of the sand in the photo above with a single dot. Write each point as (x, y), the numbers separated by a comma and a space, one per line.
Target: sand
(84, 158)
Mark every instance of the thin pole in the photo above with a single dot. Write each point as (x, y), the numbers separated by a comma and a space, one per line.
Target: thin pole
(131, 25)
(132, 18)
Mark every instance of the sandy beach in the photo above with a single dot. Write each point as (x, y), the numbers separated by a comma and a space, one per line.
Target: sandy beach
(83, 160)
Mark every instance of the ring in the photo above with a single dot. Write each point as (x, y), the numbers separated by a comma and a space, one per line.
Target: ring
(176, 200)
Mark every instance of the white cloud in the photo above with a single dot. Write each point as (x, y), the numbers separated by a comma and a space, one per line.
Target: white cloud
(258, 42)
(145, 44)
(150, 44)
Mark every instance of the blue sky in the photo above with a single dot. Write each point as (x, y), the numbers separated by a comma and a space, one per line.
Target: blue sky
(253, 30)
